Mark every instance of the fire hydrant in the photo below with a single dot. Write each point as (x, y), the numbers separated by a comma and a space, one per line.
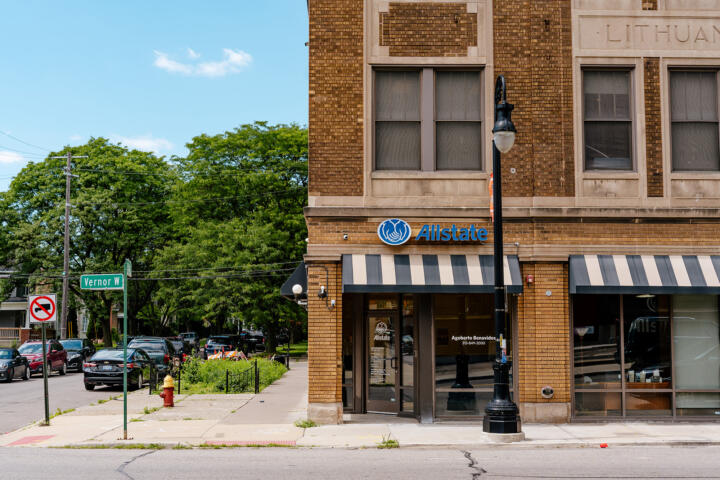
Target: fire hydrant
(168, 392)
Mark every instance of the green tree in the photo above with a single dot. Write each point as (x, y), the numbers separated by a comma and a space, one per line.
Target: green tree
(238, 217)
(119, 210)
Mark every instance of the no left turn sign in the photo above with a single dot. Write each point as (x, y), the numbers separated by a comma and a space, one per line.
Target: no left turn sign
(43, 308)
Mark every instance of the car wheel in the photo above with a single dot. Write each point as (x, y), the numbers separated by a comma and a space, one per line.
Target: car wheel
(63, 370)
(139, 383)
(89, 387)
(26, 375)
(10, 375)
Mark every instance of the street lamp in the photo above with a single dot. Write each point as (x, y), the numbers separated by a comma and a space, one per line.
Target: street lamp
(501, 414)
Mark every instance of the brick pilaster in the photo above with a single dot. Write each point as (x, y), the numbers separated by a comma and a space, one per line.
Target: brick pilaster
(653, 128)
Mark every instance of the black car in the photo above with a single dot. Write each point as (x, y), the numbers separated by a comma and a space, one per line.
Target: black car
(218, 343)
(106, 368)
(192, 338)
(182, 348)
(78, 349)
(256, 338)
(13, 365)
(159, 349)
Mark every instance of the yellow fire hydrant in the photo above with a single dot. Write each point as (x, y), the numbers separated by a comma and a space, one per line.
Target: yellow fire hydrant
(168, 392)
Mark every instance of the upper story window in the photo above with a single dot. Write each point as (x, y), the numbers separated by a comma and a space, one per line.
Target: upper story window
(694, 117)
(607, 120)
(428, 119)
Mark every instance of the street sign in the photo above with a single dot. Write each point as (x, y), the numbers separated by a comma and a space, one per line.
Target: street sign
(42, 308)
(111, 281)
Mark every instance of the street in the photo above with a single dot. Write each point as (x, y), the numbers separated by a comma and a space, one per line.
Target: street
(21, 402)
(298, 464)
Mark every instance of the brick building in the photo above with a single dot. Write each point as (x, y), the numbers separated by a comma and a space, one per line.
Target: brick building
(611, 206)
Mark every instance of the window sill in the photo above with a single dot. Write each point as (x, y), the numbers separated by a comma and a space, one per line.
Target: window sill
(437, 175)
(599, 174)
(710, 175)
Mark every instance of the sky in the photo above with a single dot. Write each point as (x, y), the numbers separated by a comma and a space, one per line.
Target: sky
(148, 74)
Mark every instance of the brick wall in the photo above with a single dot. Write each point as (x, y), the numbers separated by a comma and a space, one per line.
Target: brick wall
(324, 334)
(533, 49)
(653, 128)
(428, 29)
(543, 355)
(335, 133)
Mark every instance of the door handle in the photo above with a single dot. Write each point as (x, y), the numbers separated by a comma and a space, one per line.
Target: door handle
(393, 363)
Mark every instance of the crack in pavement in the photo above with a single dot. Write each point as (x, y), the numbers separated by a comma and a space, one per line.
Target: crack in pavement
(473, 465)
(121, 468)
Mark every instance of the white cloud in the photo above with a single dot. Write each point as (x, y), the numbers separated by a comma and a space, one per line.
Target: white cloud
(11, 157)
(146, 143)
(76, 138)
(233, 61)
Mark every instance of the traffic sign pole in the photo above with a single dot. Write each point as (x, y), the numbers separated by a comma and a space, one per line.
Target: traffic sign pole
(127, 271)
(45, 375)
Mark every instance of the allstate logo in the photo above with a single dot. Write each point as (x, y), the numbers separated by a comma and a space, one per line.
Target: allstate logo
(394, 231)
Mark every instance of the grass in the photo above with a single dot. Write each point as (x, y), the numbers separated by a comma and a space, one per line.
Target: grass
(148, 411)
(127, 446)
(208, 376)
(388, 442)
(180, 446)
(133, 420)
(296, 349)
(59, 412)
(249, 445)
(305, 424)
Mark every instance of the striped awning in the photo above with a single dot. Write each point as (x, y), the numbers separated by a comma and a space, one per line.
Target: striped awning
(655, 274)
(427, 274)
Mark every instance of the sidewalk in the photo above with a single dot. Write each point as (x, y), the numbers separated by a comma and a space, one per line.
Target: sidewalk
(268, 419)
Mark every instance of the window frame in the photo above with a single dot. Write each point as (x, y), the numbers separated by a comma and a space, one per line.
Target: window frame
(694, 69)
(428, 118)
(631, 70)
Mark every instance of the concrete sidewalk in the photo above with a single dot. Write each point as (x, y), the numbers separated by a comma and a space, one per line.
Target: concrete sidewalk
(268, 418)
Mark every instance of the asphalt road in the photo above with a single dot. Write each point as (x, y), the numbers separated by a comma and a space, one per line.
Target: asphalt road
(21, 402)
(299, 464)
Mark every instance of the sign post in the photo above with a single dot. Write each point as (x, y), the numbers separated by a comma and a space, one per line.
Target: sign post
(115, 281)
(43, 309)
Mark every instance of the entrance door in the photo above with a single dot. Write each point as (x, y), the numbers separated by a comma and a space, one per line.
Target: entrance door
(382, 374)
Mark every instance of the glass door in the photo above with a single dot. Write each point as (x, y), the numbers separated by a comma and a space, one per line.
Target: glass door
(382, 374)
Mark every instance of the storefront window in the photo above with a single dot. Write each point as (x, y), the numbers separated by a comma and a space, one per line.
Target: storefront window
(347, 361)
(596, 332)
(407, 349)
(464, 353)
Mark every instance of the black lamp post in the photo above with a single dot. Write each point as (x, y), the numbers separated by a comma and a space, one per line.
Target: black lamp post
(501, 414)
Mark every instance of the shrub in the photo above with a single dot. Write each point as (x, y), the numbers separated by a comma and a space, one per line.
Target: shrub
(209, 376)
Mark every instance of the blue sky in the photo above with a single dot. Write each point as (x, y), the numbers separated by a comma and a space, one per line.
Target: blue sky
(149, 74)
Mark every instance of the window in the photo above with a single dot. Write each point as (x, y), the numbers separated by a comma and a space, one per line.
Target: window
(427, 119)
(694, 116)
(607, 120)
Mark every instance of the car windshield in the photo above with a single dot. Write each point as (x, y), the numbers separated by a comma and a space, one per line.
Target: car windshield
(5, 354)
(31, 348)
(111, 355)
(155, 346)
(219, 341)
(72, 344)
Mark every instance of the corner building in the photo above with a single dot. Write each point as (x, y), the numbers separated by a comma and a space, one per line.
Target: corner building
(611, 208)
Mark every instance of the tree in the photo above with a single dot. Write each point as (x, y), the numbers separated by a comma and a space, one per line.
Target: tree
(238, 218)
(120, 211)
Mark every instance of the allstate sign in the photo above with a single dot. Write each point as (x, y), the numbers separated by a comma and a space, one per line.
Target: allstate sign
(394, 231)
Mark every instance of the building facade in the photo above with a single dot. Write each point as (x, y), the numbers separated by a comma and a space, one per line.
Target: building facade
(611, 207)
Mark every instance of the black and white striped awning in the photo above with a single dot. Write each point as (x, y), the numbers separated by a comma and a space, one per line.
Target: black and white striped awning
(427, 274)
(644, 274)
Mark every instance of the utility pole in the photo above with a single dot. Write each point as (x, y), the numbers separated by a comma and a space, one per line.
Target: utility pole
(66, 247)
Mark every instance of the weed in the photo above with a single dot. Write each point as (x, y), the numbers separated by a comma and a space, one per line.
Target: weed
(126, 446)
(305, 424)
(132, 420)
(148, 411)
(59, 412)
(388, 442)
(180, 446)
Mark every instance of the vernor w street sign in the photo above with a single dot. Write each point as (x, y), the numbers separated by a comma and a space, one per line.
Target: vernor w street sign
(111, 281)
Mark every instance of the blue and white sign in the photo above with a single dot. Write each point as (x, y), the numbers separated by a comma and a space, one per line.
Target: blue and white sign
(394, 231)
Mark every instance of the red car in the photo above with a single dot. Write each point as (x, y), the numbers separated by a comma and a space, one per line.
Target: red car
(57, 356)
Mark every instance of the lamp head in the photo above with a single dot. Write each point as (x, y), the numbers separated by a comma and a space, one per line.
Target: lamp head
(504, 129)
(297, 289)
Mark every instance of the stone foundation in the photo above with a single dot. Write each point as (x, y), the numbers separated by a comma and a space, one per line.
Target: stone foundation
(545, 412)
(325, 413)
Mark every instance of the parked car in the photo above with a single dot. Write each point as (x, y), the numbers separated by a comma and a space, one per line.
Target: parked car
(13, 365)
(192, 338)
(257, 340)
(56, 356)
(78, 350)
(106, 368)
(218, 343)
(159, 349)
(182, 348)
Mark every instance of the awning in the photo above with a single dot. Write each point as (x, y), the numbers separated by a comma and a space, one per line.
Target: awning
(427, 274)
(656, 274)
(298, 277)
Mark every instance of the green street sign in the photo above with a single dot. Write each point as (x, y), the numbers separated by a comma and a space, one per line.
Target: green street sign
(111, 281)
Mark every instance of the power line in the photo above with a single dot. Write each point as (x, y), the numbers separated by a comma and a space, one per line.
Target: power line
(248, 274)
(235, 172)
(32, 154)
(240, 268)
(23, 141)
